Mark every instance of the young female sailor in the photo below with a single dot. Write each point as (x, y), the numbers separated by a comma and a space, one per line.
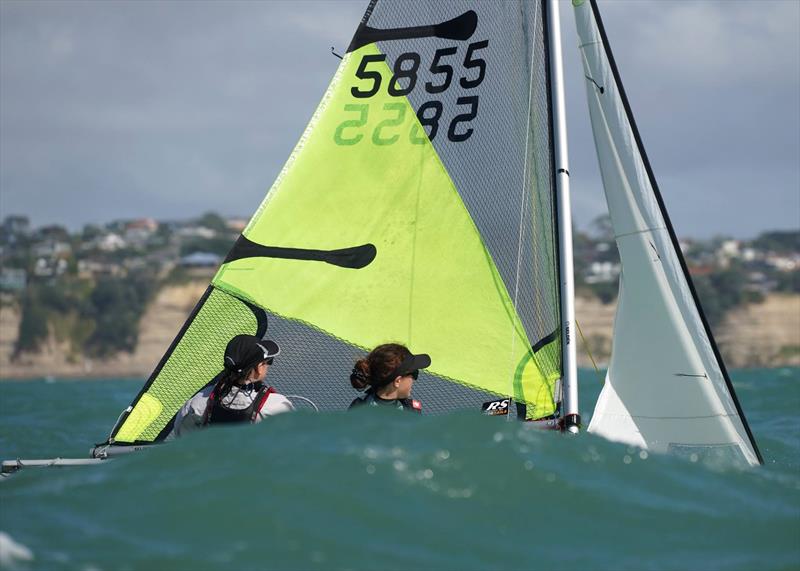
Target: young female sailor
(387, 375)
(239, 393)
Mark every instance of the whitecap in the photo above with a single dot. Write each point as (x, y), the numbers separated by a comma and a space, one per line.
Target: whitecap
(12, 553)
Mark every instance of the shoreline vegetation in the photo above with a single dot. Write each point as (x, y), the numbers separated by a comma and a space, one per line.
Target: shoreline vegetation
(107, 301)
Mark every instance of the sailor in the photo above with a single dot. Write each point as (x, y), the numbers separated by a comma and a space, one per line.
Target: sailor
(387, 376)
(239, 393)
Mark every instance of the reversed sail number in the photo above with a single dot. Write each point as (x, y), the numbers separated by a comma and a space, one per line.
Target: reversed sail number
(349, 132)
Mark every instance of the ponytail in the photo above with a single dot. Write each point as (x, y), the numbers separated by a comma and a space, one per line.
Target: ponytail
(359, 377)
(228, 378)
(373, 371)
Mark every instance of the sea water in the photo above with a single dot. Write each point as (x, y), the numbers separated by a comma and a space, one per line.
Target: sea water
(385, 490)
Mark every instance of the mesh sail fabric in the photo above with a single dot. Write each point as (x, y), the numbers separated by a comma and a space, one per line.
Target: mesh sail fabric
(300, 370)
(666, 387)
(436, 153)
(194, 359)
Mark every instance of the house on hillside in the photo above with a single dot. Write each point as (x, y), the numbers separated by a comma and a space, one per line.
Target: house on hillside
(197, 232)
(200, 260)
(50, 267)
(88, 269)
(13, 279)
(109, 242)
(236, 224)
(52, 248)
(602, 272)
(138, 232)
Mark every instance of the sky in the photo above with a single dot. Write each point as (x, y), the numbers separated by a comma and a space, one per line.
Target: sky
(113, 110)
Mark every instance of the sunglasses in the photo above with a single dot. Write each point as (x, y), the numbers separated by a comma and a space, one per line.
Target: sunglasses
(413, 374)
(269, 360)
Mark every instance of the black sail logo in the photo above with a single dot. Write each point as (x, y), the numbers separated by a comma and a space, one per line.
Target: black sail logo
(355, 258)
(459, 28)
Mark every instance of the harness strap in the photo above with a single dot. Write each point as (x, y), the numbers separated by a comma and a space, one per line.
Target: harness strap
(263, 395)
(209, 406)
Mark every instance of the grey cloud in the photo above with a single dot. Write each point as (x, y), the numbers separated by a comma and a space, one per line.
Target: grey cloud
(168, 109)
(714, 87)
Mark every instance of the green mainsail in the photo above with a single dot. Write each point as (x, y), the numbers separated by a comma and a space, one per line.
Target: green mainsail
(429, 163)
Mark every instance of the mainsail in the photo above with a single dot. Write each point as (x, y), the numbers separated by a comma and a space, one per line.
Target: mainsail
(666, 388)
(419, 206)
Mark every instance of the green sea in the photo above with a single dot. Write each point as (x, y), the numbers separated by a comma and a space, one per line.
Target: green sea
(384, 490)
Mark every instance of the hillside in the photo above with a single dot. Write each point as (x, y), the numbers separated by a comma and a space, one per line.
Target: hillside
(764, 334)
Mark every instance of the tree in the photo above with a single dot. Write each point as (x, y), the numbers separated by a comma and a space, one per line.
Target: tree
(602, 228)
(213, 221)
(779, 241)
(117, 305)
(33, 325)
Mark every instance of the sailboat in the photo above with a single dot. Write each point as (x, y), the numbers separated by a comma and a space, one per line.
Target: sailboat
(427, 203)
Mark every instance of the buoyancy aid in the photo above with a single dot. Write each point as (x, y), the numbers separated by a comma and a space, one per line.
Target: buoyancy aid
(218, 413)
(371, 399)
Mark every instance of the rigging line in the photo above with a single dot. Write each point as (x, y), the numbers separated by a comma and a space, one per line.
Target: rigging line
(589, 352)
(523, 208)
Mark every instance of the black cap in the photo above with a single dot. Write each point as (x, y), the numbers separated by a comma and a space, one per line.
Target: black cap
(409, 365)
(244, 351)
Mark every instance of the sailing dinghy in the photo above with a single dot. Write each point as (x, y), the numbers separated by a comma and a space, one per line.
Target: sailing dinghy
(427, 203)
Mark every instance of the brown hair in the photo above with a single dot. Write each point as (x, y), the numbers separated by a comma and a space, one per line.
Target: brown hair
(228, 379)
(374, 369)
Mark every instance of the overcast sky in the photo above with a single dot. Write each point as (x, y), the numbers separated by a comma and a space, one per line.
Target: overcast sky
(169, 109)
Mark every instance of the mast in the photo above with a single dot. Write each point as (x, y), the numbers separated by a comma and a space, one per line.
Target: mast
(571, 414)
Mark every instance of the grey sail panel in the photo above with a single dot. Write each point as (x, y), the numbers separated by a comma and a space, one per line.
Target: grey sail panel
(316, 366)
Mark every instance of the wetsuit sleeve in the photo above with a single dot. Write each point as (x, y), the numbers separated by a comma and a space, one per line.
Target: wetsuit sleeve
(190, 416)
(276, 404)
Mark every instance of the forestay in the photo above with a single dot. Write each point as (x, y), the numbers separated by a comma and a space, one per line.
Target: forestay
(666, 388)
(417, 207)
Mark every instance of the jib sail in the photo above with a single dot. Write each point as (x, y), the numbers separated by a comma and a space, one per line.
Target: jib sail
(667, 387)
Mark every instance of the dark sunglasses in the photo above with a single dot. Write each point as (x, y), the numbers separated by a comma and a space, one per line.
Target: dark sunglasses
(269, 360)
(414, 374)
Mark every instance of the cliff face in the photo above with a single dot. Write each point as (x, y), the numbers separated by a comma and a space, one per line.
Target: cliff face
(765, 334)
(158, 327)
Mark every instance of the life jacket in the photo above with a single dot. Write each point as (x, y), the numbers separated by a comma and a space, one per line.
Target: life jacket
(370, 399)
(218, 413)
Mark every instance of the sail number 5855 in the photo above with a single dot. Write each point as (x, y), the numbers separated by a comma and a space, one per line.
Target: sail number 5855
(406, 68)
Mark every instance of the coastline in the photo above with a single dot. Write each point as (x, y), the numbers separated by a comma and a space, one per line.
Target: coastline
(765, 334)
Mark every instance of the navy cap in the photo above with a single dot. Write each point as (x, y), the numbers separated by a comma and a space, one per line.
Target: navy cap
(409, 365)
(244, 351)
